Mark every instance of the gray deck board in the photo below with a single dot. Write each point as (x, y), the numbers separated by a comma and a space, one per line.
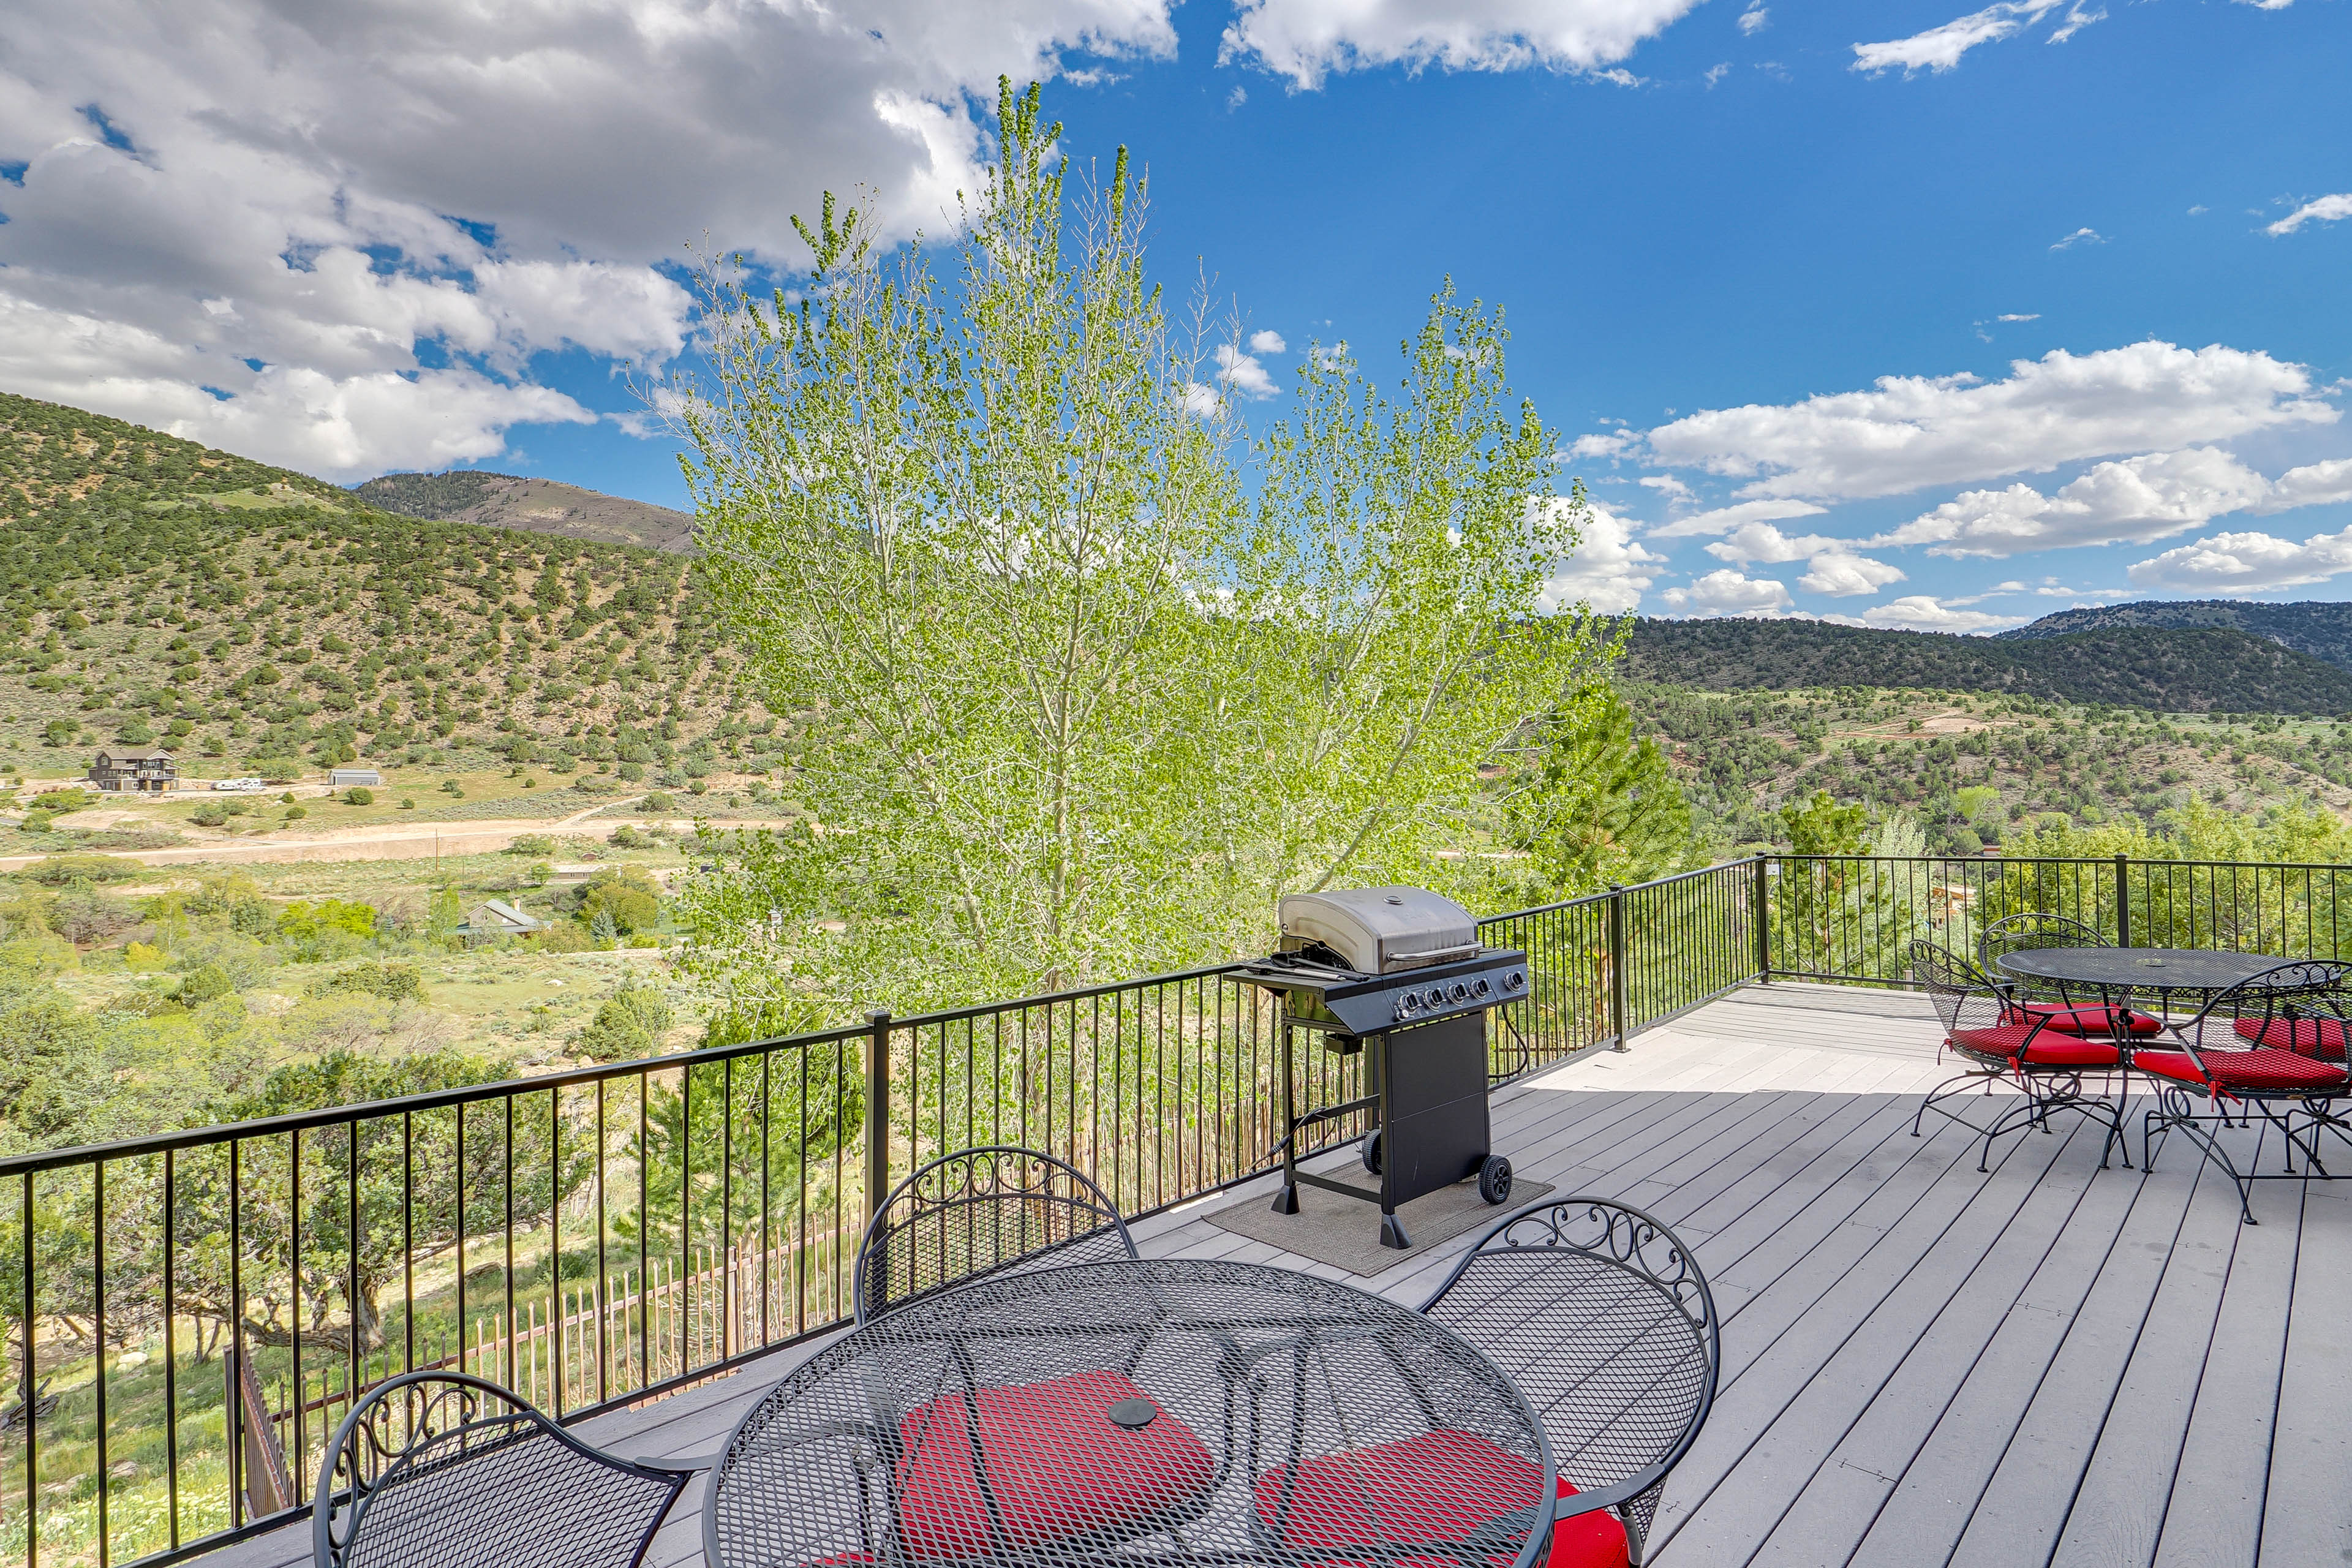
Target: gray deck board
(2050, 1364)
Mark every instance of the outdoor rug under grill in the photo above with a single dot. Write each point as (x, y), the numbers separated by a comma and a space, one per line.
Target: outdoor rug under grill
(1346, 1232)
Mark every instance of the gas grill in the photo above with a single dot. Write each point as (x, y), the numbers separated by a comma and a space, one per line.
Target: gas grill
(1398, 974)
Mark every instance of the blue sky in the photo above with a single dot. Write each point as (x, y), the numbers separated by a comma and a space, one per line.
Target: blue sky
(2059, 229)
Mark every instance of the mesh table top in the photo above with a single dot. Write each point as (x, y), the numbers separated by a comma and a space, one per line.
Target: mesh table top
(1164, 1411)
(2143, 968)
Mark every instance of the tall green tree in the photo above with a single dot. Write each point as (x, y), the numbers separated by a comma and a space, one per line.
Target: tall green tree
(1086, 681)
(1599, 804)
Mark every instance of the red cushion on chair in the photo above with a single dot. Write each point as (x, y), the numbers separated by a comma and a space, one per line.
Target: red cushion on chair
(2263, 1068)
(1056, 1463)
(2052, 1049)
(2321, 1038)
(2093, 1020)
(1438, 1488)
(2004, 1041)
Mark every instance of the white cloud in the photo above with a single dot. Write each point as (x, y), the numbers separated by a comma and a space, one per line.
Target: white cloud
(1724, 519)
(1940, 48)
(1607, 569)
(1925, 613)
(1666, 485)
(435, 193)
(1731, 592)
(2132, 501)
(1305, 40)
(1755, 19)
(1717, 72)
(1267, 342)
(1239, 96)
(2076, 20)
(1833, 567)
(2326, 210)
(2246, 563)
(2035, 317)
(1241, 376)
(1909, 433)
(2080, 236)
(1606, 443)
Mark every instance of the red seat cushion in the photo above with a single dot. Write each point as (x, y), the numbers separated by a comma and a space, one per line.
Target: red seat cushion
(1441, 1487)
(1057, 1464)
(2005, 1040)
(2321, 1038)
(2091, 1020)
(2258, 1070)
(2052, 1049)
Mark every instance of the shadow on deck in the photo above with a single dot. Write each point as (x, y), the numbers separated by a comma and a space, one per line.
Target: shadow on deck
(1922, 1364)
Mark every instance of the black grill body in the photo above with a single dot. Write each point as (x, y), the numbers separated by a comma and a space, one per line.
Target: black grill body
(1423, 1029)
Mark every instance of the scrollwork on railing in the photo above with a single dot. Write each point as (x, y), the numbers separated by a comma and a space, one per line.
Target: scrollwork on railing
(1625, 1237)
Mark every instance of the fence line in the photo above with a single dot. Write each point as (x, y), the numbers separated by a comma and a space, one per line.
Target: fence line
(595, 1236)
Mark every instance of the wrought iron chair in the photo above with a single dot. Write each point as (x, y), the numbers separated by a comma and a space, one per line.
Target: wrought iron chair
(1602, 1316)
(438, 1470)
(992, 1210)
(2272, 1045)
(1984, 1028)
(2017, 933)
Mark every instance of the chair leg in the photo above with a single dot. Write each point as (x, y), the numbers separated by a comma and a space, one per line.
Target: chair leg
(1945, 1091)
(2178, 1114)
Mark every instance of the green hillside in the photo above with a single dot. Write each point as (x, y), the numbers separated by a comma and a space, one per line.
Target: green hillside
(2179, 670)
(152, 588)
(2321, 630)
(534, 505)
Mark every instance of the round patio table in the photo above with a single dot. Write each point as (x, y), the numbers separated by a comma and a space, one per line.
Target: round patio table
(2127, 969)
(1174, 1411)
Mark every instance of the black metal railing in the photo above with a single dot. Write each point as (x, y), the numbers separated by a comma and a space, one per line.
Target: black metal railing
(185, 1317)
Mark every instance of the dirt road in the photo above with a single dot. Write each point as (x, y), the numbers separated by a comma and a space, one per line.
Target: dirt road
(402, 841)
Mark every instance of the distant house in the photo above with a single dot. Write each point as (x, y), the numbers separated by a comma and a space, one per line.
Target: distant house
(345, 778)
(150, 772)
(495, 918)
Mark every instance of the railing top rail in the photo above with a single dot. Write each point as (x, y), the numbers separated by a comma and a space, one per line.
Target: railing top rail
(2148, 860)
(1582, 899)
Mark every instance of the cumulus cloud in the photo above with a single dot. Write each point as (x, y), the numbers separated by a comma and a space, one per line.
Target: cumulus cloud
(307, 188)
(1241, 376)
(1267, 342)
(1755, 19)
(1925, 613)
(2132, 501)
(1305, 40)
(1607, 569)
(1833, 567)
(2326, 210)
(1731, 592)
(1908, 433)
(2246, 563)
(1611, 443)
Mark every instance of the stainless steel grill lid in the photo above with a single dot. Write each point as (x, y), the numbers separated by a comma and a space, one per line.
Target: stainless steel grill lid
(1380, 930)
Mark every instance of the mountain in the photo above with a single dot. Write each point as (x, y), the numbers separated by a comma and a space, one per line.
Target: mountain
(2173, 669)
(152, 589)
(535, 505)
(2321, 630)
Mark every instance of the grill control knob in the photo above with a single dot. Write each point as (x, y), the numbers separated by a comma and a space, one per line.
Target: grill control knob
(1516, 980)
(1461, 992)
(1482, 989)
(1437, 997)
(1408, 1003)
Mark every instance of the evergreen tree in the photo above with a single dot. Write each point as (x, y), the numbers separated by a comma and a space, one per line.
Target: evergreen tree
(1600, 806)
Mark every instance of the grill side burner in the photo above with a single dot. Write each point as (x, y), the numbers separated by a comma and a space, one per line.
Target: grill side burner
(1397, 973)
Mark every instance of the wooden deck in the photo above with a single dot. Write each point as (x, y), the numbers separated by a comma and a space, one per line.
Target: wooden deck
(1922, 1364)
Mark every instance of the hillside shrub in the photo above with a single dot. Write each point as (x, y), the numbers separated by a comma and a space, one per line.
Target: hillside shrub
(58, 801)
(536, 844)
(59, 871)
(628, 894)
(630, 1023)
(307, 921)
(388, 981)
(358, 795)
(36, 822)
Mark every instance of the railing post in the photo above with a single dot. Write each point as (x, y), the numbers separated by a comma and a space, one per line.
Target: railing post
(877, 1109)
(1763, 934)
(2123, 901)
(1617, 964)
